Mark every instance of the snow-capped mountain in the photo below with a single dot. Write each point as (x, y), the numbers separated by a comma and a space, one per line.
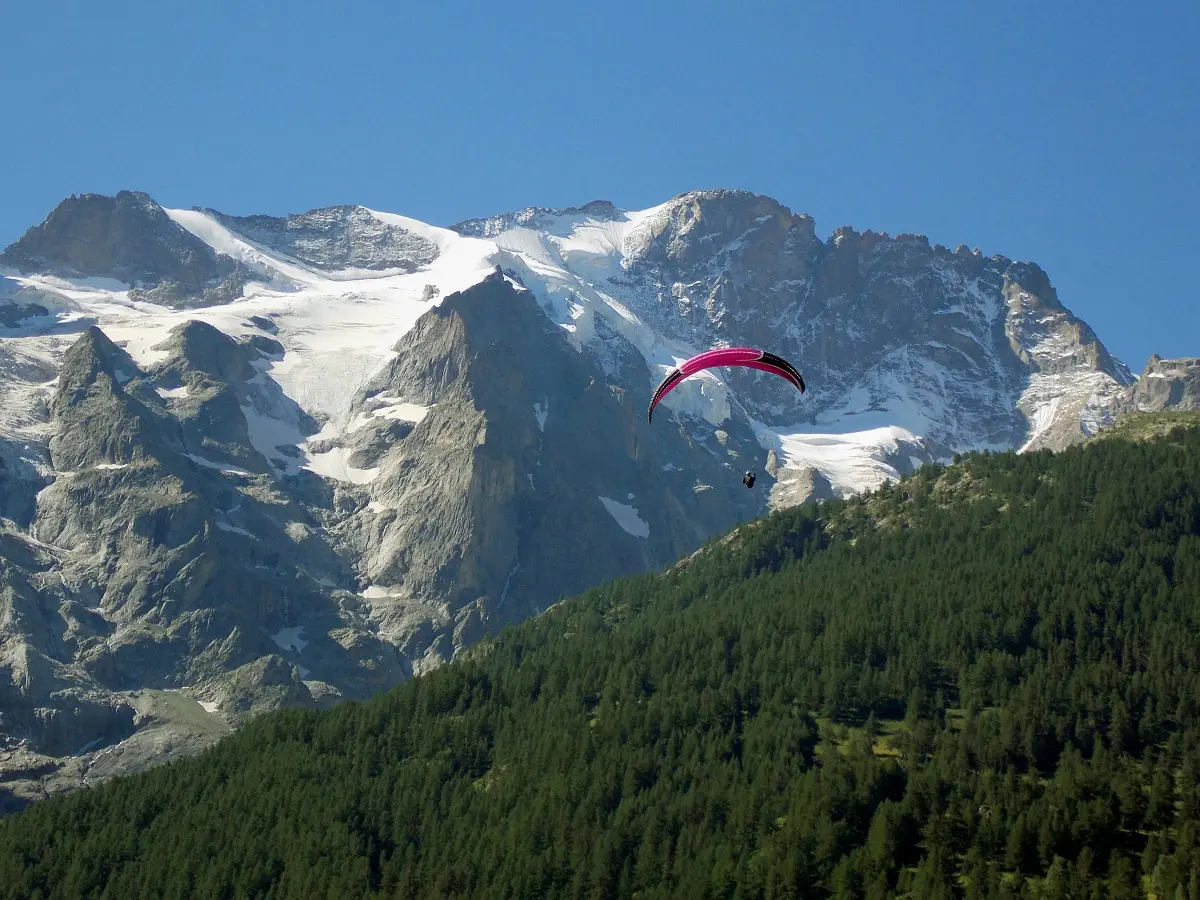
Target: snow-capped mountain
(252, 461)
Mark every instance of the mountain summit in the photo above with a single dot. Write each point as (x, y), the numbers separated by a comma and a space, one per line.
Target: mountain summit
(256, 461)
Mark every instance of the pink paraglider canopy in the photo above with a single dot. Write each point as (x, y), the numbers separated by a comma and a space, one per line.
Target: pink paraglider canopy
(726, 356)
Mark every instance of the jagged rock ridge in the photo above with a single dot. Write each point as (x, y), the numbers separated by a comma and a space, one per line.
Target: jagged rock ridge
(945, 342)
(131, 239)
(335, 238)
(1167, 384)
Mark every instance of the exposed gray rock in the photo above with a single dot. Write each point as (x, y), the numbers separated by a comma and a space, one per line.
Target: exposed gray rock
(800, 485)
(98, 422)
(264, 684)
(268, 348)
(1167, 384)
(368, 445)
(169, 726)
(26, 385)
(214, 370)
(156, 569)
(23, 304)
(336, 237)
(522, 484)
(968, 350)
(264, 324)
(41, 692)
(19, 485)
(172, 293)
(222, 386)
(536, 218)
(13, 314)
(128, 237)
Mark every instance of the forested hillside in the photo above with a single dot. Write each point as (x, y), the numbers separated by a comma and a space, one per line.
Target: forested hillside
(983, 681)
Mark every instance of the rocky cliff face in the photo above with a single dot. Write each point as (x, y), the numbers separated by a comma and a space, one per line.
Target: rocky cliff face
(963, 349)
(283, 461)
(522, 483)
(336, 239)
(128, 238)
(164, 555)
(1167, 384)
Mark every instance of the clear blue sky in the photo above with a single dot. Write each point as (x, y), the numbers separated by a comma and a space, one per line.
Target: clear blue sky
(1065, 133)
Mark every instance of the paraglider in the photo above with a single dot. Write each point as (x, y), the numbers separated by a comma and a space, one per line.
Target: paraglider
(726, 356)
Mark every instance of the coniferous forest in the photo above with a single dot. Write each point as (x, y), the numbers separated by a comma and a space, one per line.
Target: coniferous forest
(981, 682)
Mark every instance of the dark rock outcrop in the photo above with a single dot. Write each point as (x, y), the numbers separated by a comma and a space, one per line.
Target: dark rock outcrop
(130, 238)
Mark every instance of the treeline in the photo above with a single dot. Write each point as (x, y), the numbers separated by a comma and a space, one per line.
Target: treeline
(982, 682)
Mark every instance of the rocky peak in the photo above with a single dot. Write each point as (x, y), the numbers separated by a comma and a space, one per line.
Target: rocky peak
(95, 421)
(876, 321)
(435, 354)
(537, 217)
(696, 226)
(603, 210)
(1167, 384)
(93, 355)
(1031, 279)
(335, 237)
(127, 237)
(1044, 334)
(515, 467)
(196, 346)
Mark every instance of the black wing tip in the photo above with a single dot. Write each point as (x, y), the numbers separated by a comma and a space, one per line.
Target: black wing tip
(782, 363)
(672, 376)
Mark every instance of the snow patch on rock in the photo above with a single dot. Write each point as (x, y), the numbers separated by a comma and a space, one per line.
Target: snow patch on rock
(627, 517)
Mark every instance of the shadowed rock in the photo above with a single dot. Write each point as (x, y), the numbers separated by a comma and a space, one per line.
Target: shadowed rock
(131, 238)
(336, 237)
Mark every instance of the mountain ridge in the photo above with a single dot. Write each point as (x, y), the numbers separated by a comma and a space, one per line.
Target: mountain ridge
(378, 436)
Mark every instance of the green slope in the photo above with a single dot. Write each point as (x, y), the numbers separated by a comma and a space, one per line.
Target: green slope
(1145, 426)
(981, 682)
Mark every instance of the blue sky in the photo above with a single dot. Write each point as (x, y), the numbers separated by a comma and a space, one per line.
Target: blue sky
(1063, 133)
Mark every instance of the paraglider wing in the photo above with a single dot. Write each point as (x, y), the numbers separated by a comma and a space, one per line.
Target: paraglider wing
(726, 356)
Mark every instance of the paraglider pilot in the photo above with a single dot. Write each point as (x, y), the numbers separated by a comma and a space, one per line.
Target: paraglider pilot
(748, 479)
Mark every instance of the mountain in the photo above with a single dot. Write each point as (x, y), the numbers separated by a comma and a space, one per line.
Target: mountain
(129, 239)
(965, 350)
(1167, 384)
(260, 461)
(979, 682)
